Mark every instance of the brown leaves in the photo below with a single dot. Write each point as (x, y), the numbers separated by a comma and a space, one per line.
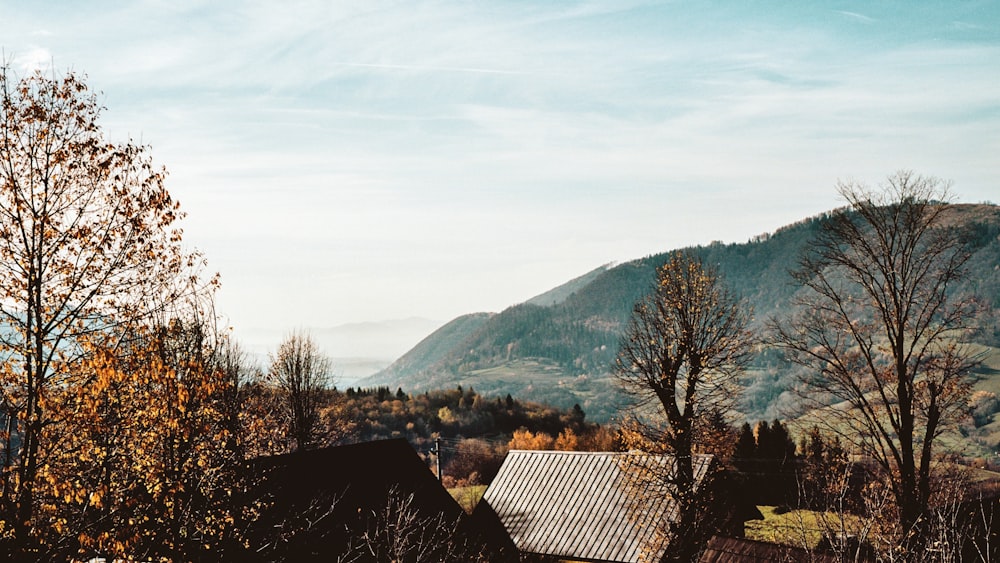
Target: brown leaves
(144, 449)
(89, 253)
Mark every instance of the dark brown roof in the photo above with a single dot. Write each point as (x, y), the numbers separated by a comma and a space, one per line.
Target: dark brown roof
(583, 505)
(739, 550)
(329, 493)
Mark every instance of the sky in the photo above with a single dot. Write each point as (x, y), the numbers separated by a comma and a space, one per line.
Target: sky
(342, 162)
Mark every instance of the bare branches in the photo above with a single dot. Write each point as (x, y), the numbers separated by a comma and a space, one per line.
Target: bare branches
(877, 328)
(398, 532)
(302, 374)
(681, 353)
(685, 343)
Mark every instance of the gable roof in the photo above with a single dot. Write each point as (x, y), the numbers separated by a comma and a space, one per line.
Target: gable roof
(585, 506)
(360, 476)
(329, 494)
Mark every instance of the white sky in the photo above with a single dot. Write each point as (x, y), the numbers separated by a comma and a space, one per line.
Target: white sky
(351, 161)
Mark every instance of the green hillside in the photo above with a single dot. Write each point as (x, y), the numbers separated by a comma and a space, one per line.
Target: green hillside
(560, 347)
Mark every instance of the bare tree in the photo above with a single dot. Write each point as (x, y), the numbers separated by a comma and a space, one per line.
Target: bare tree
(876, 328)
(398, 532)
(302, 374)
(684, 346)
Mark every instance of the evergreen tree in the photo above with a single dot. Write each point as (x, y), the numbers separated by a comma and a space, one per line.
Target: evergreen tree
(746, 445)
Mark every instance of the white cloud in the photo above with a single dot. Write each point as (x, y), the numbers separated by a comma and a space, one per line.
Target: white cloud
(34, 58)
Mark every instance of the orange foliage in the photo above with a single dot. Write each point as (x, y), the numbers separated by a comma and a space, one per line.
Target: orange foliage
(567, 441)
(89, 249)
(526, 440)
(141, 464)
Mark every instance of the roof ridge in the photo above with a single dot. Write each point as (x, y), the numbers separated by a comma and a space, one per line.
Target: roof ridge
(633, 453)
(566, 452)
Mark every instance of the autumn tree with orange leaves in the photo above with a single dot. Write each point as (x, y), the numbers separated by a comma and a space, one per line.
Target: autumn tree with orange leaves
(89, 250)
(142, 469)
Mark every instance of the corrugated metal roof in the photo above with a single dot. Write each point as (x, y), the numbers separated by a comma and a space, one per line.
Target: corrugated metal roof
(595, 506)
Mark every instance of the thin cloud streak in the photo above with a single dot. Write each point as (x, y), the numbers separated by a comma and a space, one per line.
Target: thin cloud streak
(856, 16)
(421, 68)
(350, 163)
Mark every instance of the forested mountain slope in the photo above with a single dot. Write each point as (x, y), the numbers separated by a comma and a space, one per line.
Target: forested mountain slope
(560, 347)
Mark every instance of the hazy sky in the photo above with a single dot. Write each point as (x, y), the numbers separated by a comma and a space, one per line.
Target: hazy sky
(350, 161)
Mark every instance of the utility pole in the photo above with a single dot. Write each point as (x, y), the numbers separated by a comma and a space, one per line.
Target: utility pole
(437, 456)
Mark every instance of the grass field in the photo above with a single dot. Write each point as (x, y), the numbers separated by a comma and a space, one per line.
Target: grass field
(468, 497)
(799, 528)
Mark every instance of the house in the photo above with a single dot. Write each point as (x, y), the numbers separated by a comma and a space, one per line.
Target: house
(367, 498)
(740, 550)
(584, 506)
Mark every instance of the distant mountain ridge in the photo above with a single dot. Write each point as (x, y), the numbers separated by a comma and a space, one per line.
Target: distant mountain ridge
(559, 347)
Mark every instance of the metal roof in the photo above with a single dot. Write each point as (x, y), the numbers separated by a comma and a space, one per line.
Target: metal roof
(591, 506)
